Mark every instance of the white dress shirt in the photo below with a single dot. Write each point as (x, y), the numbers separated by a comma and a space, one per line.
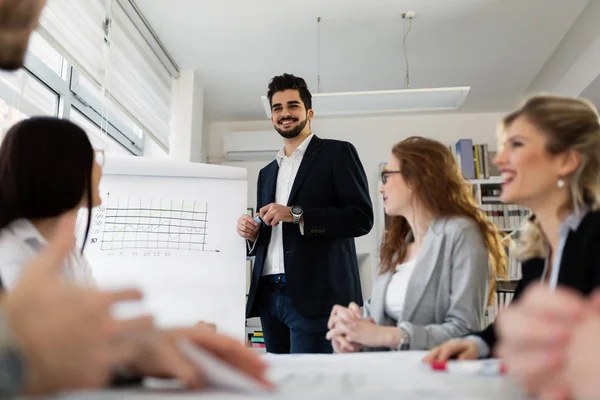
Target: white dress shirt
(20, 241)
(396, 290)
(288, 169)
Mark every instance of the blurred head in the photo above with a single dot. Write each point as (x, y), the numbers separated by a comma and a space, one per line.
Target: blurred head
(423, 174)
(18, 19)
(47, 167)
(291, 105)
(550, 157)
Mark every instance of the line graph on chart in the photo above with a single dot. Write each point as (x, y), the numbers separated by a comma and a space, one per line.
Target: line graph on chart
(125, 222)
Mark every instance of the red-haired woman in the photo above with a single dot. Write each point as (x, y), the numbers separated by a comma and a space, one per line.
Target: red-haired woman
(439, 259)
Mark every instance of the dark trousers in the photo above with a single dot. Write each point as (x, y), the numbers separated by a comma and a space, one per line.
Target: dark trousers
(285, 330)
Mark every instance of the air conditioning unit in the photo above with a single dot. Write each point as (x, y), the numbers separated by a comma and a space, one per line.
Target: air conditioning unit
(251, 145)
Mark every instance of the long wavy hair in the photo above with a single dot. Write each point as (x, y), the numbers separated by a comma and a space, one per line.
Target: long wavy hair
(568, 123)
(431, 171)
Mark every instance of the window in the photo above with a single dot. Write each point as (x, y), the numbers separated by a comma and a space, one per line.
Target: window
(23, 95)
(129, 75)
(49, 85)
(40, 48)
(90, 101)
(99, 138)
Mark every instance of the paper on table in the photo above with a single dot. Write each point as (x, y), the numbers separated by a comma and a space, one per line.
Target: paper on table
(354, 376)
(218, 373)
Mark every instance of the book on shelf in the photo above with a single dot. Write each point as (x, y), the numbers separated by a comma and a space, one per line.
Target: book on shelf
(255, 337)
(503, 299)
(474, 160)
(463, 150)
(507, 217)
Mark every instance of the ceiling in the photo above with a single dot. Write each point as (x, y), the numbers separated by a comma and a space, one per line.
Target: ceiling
(495, 46)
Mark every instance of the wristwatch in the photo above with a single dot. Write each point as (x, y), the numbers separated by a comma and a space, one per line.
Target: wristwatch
(404, 343)
(296, 212)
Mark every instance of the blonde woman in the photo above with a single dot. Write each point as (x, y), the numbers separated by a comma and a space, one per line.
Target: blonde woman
(550, 161)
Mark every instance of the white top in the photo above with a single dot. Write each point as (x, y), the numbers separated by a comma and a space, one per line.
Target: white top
(396, 290)
(19, 243)
(288, 169)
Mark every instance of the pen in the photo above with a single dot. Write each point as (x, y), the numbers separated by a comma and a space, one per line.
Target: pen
(473, 367)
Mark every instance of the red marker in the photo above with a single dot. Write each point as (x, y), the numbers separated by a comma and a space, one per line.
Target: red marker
(473, 367)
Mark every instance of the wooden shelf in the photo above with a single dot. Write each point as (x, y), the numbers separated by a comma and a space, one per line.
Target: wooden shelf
(506, 285)
(492, 180)
(490, 198)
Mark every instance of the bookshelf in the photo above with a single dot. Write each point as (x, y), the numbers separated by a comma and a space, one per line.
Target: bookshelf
(254, 334)
(508, 218)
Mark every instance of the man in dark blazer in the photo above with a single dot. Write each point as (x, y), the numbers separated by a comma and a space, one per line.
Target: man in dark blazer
(313, 201)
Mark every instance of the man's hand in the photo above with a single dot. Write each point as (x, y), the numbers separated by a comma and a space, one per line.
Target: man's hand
(66, 332)
(274, 213)
(534, 334)
(159, 356)
(247, 227)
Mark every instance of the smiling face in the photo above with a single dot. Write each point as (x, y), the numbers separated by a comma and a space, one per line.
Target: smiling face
(397, 195)
(288, 114)
(529, 171)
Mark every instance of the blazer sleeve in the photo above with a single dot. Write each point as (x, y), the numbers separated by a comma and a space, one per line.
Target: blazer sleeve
(468, 293)
(353, 214)
(488, 335)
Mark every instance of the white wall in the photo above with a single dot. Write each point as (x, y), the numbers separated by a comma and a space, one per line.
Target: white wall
(188, 112)
(373, 138)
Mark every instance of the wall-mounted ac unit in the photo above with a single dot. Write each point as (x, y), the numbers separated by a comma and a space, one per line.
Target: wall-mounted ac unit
(251, 145)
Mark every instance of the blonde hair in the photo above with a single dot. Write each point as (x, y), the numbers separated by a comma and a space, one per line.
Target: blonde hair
(568, 124)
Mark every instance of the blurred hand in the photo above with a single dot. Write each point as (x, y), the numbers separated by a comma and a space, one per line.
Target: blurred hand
(207, 325)
(274, 213)
(65, 332)
(463, 349)
(583, 359)
(247, 227)
(158, 355)
(533, 337)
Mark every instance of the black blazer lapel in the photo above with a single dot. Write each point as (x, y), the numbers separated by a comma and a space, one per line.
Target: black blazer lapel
(270, 183)
(313, 149)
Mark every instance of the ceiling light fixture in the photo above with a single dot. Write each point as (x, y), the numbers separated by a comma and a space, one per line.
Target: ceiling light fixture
(381, 102)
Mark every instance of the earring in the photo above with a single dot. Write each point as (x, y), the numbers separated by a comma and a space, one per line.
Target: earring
(560, 183)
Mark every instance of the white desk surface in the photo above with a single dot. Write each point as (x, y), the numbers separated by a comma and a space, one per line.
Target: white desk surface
(388, 375)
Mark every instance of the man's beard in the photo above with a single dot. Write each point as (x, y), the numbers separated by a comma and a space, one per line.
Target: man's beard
(294, 132)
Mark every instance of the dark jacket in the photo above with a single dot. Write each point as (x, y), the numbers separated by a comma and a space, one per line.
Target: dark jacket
(321, 266)
(579, 266)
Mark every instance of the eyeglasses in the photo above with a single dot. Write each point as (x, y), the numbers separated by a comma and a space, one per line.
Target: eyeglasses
(384, 175)
(99, 156)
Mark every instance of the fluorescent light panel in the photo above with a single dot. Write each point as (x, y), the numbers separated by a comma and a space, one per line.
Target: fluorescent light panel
(385, 101)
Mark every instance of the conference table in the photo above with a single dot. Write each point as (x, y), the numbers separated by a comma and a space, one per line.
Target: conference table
(384, 375)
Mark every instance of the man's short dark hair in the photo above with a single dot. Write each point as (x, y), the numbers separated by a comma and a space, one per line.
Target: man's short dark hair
(283, 82)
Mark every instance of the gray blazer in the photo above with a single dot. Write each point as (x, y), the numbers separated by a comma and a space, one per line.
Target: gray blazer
(447, 292)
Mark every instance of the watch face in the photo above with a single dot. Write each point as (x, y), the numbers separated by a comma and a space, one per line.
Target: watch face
(297, 210)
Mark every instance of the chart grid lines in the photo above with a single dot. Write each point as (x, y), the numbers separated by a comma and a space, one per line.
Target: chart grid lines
(153, 224)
